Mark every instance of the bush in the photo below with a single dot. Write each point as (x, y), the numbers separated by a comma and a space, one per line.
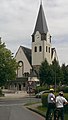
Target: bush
(63, 88)
(44, 100)
(1, 94)
(39, 89)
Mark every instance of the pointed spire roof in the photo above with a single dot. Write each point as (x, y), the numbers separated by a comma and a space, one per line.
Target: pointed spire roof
(41, 24)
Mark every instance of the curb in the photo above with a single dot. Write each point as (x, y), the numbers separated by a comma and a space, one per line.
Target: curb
(35, 110)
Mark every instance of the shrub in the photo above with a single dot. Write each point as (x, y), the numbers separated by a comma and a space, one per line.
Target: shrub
(63, 88)
(1, 94)
(44, 100)
(39, 89)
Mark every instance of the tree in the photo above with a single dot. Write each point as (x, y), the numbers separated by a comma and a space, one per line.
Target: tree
(50, 74)
(57, 72)
(65, 73)
(8, 65)
(44, 73)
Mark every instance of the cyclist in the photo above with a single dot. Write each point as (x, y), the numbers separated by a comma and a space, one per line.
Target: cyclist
(60, 101)
(51, 103)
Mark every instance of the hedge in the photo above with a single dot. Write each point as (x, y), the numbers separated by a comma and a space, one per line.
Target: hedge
(40, 88)
(44, 100)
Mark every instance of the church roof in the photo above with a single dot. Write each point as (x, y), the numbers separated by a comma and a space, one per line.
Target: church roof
(41, 24)
(27, 52)
(33, 73)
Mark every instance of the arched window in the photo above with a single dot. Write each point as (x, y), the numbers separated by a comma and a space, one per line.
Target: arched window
(46, 48)
(35, 49)
(20, 69)
(49, 49)
(40, 48)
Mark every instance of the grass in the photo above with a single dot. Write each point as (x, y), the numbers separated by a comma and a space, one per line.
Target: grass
(42, 110)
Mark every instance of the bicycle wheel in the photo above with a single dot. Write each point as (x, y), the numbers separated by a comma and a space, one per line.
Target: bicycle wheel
(51, 116)
(57, 114)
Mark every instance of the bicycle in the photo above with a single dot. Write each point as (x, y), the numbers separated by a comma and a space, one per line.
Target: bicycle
(51, 115)
(54, 115)
(57, 114)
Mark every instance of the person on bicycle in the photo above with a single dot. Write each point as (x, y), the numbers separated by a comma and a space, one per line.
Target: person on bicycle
(60, 101)
(51, 103)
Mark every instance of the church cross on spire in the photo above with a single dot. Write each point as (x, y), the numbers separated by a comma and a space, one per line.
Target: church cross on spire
(41, 24)
(41, 2)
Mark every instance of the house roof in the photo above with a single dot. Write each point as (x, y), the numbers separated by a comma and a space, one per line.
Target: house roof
(41, 24)
(27, 52)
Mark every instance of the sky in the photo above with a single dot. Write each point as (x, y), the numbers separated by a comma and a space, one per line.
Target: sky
(18, 18)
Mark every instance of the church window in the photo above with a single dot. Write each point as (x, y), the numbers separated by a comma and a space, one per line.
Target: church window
(40, 48)
(35, 49)
(46, 48)
(49, 49)
(20, 69)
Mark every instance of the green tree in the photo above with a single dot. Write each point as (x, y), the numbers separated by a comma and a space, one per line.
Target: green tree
(65, 73)
(57, 72)
(50, 74)
(44, 73)
(8, 65)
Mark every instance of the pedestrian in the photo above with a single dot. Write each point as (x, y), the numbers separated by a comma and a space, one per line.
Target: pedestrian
(51, 103)
(60, 101)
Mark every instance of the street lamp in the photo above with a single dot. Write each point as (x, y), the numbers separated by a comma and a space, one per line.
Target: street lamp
(55, 81)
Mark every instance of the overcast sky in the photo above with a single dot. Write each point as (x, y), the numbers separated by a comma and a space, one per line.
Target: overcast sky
(18, 18)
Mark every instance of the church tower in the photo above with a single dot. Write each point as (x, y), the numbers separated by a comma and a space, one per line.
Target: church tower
(41, 40)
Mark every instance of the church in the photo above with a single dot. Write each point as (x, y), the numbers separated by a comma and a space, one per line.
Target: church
(29, 60)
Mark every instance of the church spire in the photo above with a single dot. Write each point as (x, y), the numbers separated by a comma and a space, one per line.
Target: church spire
(40, 2)
(41, 24)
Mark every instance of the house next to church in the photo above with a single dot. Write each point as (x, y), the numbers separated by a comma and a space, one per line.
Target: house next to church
(28, 59)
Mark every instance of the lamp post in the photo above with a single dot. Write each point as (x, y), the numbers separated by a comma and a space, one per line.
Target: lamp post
(55, 81)
(30, 82)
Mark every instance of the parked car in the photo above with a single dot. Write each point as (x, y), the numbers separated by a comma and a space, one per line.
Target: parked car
(38, 95)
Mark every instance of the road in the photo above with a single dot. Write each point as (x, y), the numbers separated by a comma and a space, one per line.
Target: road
(15, 110)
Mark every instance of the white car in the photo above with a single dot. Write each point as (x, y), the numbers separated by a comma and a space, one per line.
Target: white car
(38, 95)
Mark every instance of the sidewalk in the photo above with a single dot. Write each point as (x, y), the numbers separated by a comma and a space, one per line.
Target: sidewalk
(18, 94)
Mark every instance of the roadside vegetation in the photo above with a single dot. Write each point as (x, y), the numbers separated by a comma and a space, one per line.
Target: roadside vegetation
(53, 74)
(8, 66)
(41, 109)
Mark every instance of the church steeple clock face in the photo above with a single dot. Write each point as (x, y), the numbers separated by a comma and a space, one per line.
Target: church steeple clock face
(37, 36)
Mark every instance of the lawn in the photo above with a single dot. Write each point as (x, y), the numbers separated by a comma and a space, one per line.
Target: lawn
(42, 110)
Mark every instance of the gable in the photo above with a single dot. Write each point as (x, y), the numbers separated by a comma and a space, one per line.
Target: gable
(23, 52)
(27, 52)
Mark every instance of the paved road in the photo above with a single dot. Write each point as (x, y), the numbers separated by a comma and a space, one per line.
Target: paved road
(14, 110)
(18, 101)
(18, 113)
